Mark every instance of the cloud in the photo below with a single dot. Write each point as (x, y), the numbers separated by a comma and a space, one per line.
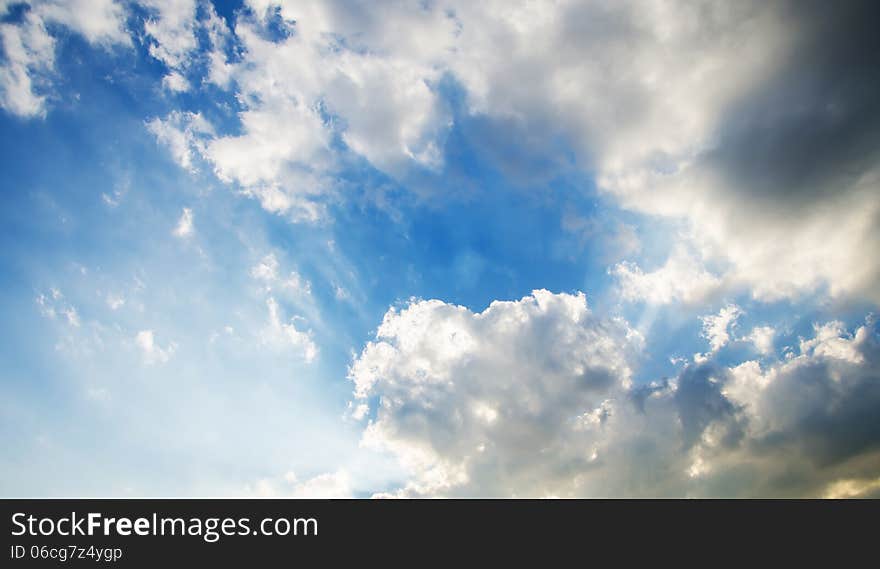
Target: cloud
(284, 335)
(301, 85)
(183, 133)
(534, 398)
(115, 301)
(220, 40)
(266, 271)
(762, 338)
(53, 305)
(328, 485)
(29, 56)
(716, 328)
(682, 278)
(295, 289)
(809, 418)
(29, 48)
(781, 184)
(151, 351)
(100, 22)
(175, 82)
(493, 402)
(185, 228)
(171, 27)
(853, 488)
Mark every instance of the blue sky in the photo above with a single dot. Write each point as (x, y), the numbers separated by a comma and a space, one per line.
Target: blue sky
(247, 250)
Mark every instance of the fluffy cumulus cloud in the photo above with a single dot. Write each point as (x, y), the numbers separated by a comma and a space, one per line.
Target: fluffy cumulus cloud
(535, 398)
(507, 401)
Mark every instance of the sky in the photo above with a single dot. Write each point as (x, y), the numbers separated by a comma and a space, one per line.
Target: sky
(439, 248)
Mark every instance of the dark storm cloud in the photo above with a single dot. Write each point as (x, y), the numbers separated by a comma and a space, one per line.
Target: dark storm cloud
(813, 128)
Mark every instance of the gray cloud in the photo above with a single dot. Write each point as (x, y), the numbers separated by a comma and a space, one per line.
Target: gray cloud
(785, 189)
(813, 128)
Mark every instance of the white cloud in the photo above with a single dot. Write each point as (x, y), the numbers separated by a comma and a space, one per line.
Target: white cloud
(113, 200)
(266, 271)
(72, 316)
(330, 485)
(830, 340)
(101, 22)
(183, 133)
(115, 301)
(336, 484)
(175, 82)
(172, 28)
(681, 279)
(466, 400)
(716, 328)
(533, 398)
(29, 48)
(219, 38)
(284, 335)
(359, 412)
(297, 284)
(185, 228)
(297, 290)
(30, 55)
(762, 338)
(773, 251)
(53, 305)
(280, 160)
(151, 351)
(300, 90)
